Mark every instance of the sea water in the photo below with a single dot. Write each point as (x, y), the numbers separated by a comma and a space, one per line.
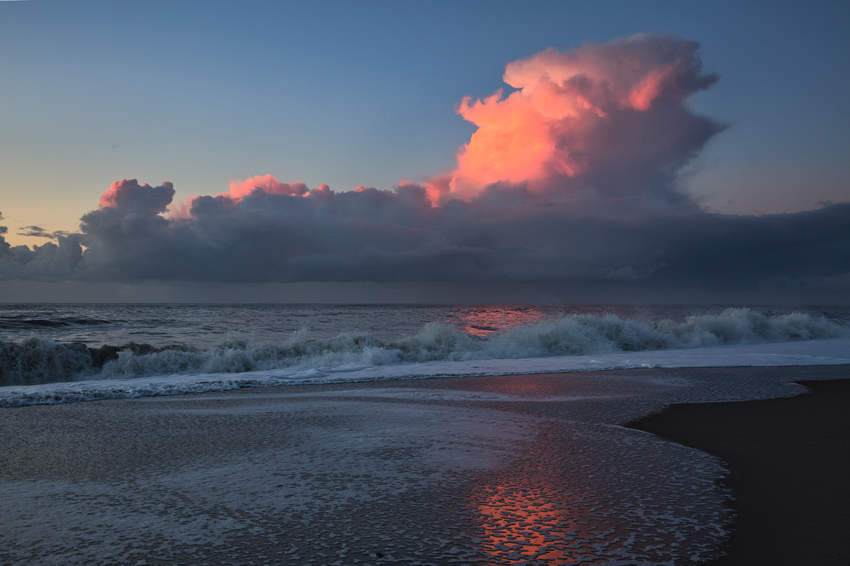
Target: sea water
(534, 470)
(179, 348)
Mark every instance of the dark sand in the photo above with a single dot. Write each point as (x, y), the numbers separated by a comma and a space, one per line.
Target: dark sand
(789, 462)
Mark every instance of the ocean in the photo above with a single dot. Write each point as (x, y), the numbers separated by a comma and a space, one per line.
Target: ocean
(185, 347)
(316, 434)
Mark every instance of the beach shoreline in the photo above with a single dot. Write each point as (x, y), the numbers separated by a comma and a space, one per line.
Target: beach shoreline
(788, 460)
(435, 470)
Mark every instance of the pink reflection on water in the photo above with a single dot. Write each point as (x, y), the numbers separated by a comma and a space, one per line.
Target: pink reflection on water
(483, 321)
(529, 517)
(543, 510)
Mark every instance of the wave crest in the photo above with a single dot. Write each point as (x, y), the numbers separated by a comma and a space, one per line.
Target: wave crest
(34, 360)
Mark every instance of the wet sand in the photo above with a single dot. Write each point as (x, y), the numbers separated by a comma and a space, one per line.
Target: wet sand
(789, 463)
(475, 470)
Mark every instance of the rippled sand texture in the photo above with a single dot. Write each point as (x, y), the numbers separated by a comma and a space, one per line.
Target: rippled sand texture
(507, 470)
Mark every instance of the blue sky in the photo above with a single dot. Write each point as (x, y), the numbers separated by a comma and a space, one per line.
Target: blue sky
(199, 93)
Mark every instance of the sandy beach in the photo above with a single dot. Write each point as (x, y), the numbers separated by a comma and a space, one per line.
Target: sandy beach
(475, 470)
(788, 461)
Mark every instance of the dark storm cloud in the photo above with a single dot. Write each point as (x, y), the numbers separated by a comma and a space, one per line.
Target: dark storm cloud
(504, 235)
(48, 262)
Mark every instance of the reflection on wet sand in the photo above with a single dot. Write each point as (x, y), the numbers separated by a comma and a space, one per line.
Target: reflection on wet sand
(617, 500)
(517, 526)
(535, 522)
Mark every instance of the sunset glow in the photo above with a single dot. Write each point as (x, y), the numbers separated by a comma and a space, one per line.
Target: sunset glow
(521, 526)
(563, 115)
(483, 322)
(130, 194)
(265, 183)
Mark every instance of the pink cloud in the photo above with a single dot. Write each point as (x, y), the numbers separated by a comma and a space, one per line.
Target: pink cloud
(129, 194)
(572, 111)
(267, 184)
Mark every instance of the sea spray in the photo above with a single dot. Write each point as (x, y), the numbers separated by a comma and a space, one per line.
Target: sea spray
(32, 360)
(36, 360)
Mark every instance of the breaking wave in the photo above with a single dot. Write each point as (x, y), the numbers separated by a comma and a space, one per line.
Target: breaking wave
(32, 360)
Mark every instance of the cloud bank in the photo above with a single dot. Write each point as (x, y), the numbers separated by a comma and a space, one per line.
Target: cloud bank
(570, 177)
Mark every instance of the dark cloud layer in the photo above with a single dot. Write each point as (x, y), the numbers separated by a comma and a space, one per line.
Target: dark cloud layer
(504, 235)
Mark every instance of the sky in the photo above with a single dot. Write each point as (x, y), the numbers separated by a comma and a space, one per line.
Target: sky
(640, 151)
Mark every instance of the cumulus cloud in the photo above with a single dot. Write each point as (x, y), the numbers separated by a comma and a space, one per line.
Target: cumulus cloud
(265, 184)
(604, 121)
(62, 260)
(570, 178)
(390, 236)
(129, 195)
(49, 261)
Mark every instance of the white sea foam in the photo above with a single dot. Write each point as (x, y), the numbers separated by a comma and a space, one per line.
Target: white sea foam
(573, 335)
(814, 352)
(34, 360)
